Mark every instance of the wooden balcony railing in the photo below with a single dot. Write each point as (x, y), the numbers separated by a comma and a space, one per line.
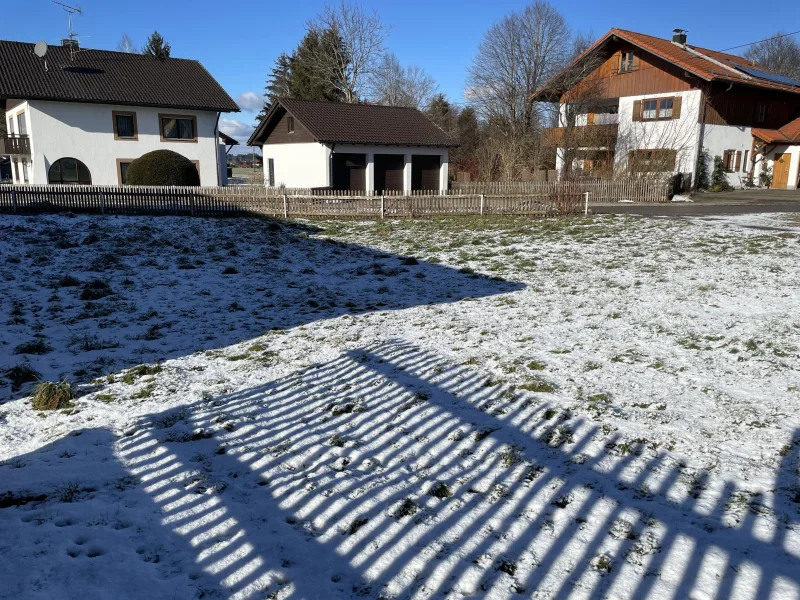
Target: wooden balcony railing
(15, 144)
(587, 136)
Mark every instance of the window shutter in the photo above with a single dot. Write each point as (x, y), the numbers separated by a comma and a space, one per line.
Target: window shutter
(738, 164)
(635, 60)
(637, 110)
(676, 107)
(726, 160)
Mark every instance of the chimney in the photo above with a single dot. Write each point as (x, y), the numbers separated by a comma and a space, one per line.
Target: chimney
(70, 43)
(679, 36)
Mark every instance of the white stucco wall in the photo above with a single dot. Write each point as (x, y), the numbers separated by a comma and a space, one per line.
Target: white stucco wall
(794, 163)
(719, 138)
(307, 165)
(680, 134)
(86, 132)
(17, 161)
(303, 165)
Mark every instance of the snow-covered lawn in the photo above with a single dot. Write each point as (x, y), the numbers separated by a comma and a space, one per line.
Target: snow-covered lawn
(435, 409)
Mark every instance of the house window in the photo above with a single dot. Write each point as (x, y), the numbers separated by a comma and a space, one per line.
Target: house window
(271, 174)
(626, 61)
(122, 170)
(178, 128)
(290, 124)
(125, 125)
(761, 112)
(10, 126)
(22, 126)
(652, 161)
(649, 110)
(744, 160)
(665, 108)
(731, 160)
(25, 171)
(16, 172)
(69, 171)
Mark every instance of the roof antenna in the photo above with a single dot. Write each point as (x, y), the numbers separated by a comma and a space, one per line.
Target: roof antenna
(71, 42)
(40, 50)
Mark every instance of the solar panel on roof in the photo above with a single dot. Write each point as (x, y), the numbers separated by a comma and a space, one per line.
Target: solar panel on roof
(769, 76)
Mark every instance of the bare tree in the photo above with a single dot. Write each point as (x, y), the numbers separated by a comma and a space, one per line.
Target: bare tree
(778, 54)
(126, 45)
(352, 62)
(516, 57)
(394, 85)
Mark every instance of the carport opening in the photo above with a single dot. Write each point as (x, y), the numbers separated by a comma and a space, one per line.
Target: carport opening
(389, 172)
(350, 172)
(425, 171)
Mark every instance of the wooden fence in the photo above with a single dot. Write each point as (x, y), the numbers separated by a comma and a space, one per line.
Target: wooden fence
(555, 200)
(600, 191)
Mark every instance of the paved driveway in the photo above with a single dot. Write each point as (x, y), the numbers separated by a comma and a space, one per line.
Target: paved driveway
(724, 203)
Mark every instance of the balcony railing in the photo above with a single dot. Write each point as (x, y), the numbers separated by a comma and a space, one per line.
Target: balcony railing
(15, 144)
(587, 136)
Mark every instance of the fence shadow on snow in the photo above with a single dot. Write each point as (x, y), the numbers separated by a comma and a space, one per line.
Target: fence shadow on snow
(531, 511)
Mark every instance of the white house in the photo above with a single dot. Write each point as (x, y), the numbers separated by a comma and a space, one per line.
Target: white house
(310, 144)
(646, 104)
(82, 116)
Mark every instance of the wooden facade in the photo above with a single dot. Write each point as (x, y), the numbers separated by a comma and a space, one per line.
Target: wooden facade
(740, 105)
(279, 134)
(650, 75)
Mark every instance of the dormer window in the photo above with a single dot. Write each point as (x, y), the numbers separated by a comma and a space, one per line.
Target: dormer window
(626, 61)
(761, 112)
(290, 124)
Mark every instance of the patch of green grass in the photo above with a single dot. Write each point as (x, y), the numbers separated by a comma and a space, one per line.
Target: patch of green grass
(146, 391)
(440, 490)
(107, 398)
(549, 414)
(602, 397)
(37, 347)
(535, 365)
(96, 289)
(131, 375)
(538, 385)
(20, 375)
(406, 509)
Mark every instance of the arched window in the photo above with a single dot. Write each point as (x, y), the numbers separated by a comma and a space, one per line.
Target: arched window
(69, 171)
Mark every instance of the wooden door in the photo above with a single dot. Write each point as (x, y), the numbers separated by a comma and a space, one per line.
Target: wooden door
(780, 171)
(425, 171)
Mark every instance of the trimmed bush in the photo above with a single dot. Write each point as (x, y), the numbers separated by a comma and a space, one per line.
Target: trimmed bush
(53, 396)
(162, 167)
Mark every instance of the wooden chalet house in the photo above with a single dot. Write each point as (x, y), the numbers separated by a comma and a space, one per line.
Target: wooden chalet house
(637, 104)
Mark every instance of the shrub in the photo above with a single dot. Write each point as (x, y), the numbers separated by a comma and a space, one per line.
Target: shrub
(719, 178)
(20, 375)
(53, 396)
(162, 167)
(96, 289)
(38, 346)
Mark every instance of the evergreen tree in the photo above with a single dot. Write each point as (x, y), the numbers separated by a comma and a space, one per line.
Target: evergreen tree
(157, 46)
(312, 64)
(278, 84)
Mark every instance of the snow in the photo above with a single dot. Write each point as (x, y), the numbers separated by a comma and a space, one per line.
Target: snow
(600, 407)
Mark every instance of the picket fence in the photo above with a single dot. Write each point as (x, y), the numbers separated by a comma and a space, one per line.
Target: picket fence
(600, 191)
(560, 199)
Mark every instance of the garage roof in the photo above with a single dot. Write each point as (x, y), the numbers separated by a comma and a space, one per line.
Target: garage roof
(337, 122)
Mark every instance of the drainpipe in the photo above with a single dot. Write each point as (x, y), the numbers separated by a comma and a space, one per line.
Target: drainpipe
(216, 147)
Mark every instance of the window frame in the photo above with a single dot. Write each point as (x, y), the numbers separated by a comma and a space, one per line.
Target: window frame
(761, 112)
(25, 176)
(290, 125)
(745, 157)
(77, 171)
(271, 172)
(631, 61)
(658, 108)
(24, 120)
(125, 113)
(193, 118)
(119, 169)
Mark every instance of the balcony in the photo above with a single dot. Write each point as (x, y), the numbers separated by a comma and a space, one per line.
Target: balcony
(587, 136)
(11, 145)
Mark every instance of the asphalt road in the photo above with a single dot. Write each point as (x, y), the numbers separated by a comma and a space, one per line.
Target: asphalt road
(737, 202)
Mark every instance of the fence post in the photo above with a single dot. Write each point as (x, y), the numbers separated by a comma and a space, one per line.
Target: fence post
(382, 206)
(482, 202)
(14, 198)
(285, 207)
(586, 205)
(102, 203)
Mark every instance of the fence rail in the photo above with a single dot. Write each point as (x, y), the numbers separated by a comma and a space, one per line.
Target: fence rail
(600, 191)
(555, 200)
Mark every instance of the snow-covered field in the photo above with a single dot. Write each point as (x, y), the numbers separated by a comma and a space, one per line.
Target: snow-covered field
(437, 409)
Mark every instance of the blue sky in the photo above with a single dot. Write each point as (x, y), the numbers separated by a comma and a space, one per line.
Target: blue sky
(238, 41)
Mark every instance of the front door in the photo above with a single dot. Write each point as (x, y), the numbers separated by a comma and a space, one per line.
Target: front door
(780, 171)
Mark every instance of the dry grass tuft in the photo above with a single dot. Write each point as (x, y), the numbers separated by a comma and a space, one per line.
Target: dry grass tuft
(53, 396)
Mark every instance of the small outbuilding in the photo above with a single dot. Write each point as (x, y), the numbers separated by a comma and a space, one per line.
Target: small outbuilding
(359, 147)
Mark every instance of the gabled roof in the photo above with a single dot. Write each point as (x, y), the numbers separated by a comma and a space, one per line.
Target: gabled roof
(100, 76)
(706, 64)
(789, 133)
(337, 122)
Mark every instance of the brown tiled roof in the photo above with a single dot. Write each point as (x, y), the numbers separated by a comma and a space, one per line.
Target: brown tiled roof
(700, 66)
(788, 133)
(337, 122)
(100, 76)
